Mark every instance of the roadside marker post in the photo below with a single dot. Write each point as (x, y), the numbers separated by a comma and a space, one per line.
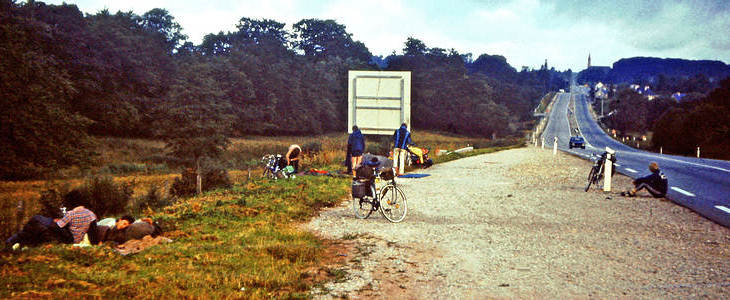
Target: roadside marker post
(543, 143)
(555, 145)
(607, 170)
(698, 152)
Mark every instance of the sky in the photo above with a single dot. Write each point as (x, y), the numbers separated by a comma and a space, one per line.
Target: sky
(526, 32)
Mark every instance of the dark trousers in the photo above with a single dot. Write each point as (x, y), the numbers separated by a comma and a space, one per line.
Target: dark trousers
(39, 230)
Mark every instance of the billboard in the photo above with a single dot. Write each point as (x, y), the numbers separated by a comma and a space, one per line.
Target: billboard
(378, 102)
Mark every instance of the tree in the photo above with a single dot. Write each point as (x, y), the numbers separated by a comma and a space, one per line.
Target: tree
(414, 46)
(327, 38)
(38, 133)
(160, 21)
(194, 120)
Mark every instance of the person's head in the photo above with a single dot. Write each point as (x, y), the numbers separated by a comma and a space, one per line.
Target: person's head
(653, 166)
(354, 128)
(403, 125)
(124, 221)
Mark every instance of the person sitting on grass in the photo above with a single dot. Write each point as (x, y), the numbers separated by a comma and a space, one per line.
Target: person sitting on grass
(292, 157)
(67, 230)
(655, 183)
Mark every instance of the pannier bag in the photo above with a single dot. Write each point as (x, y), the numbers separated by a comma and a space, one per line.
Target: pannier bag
(361, 189)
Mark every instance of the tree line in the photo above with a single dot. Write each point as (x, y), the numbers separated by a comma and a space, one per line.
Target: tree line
(68, 77)
(699, 120)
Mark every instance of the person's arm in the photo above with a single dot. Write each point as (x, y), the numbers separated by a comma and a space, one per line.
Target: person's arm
(66, 218)
(287, 156)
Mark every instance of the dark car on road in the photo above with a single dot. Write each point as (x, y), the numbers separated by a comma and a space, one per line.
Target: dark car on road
(576, 142)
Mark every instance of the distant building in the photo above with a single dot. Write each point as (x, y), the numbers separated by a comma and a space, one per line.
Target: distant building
(589, 60)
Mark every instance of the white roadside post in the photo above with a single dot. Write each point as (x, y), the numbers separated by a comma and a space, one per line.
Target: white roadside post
(555, 145)
(543, 143)
(661, 151)
(698, 152)
(607, 170)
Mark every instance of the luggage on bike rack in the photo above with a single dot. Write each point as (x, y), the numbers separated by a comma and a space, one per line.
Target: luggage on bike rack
(361, 188)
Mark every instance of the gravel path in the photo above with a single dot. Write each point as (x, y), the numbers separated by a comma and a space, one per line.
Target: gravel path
(517, 223)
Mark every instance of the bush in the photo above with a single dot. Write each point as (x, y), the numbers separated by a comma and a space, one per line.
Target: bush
(312, 147)
(51, 201)
(102, 195)
(212, 177)
(153, 199)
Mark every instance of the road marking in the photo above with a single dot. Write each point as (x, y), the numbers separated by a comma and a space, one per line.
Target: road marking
(617, 165)
(722, 208)
(659, 156)
(631, 170)
(683, 191)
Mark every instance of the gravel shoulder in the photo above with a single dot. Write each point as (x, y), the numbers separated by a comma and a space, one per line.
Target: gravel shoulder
(517, 224)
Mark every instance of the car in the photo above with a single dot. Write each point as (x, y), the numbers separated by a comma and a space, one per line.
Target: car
(576, 142)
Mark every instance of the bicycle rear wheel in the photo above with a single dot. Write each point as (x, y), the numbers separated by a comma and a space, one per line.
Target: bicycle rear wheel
(362, 207)
(393, 204)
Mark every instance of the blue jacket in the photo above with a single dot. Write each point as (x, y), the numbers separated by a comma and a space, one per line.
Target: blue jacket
(356, 142)
(402, 138)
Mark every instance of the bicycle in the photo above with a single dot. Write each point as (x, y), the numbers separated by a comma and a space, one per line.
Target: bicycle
(390, 201)
(274, 167)
(596, 174)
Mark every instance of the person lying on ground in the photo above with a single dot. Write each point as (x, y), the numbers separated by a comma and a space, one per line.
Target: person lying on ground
(655, 183)
(67, 230)
(126, 228)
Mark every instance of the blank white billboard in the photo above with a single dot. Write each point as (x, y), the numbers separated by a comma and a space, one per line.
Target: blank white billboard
(378, 101)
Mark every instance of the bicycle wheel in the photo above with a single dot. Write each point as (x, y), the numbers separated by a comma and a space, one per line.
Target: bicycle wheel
(362, 207)
(266, 173)
(590, 178)
(393, 204)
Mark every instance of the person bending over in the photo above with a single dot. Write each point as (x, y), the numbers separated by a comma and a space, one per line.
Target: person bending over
(654, 183)
(292, 157)
(68, 230)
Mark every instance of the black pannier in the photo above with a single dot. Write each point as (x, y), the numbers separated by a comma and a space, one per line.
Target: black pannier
(361, 189)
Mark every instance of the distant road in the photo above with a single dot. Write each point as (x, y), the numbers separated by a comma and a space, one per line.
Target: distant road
(702, 185)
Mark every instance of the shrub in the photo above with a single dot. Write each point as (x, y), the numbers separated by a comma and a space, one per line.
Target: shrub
(312, 147)
(154, 199)
(51, 201)
(102, 195)
(212, 177)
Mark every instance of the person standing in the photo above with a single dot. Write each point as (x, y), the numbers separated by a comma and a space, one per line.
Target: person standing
(356, 145)
(292, 157)
(401, 140)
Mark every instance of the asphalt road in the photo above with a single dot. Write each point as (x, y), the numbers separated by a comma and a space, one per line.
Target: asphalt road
(702, 185)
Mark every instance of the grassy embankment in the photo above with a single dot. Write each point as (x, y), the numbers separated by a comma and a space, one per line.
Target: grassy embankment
(240, 242)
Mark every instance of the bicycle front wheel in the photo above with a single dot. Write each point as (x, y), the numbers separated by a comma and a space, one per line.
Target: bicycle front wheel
(393, 204)
(590, 178)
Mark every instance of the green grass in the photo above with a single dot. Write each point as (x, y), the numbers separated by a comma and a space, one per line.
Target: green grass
(220, 246)
(243, 242)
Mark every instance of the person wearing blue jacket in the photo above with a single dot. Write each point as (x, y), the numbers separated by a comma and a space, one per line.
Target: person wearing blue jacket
(401, 140)
(655, 183)
(356, 146)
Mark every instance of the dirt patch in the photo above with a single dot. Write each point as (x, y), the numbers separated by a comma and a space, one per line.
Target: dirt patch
(525, 228)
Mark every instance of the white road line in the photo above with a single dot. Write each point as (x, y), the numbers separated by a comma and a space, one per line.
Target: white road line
(631, 170)
(722, 208)
(659, 156)
(617, 165)
(683, 191)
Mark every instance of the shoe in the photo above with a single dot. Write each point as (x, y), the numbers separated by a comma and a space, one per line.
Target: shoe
(624, 194)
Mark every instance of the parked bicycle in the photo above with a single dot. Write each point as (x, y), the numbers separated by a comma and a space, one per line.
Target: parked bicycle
(389, 199)
(275, 167)
(596, 174)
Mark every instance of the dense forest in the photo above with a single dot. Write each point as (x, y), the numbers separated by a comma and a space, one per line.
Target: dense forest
(68, 77)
